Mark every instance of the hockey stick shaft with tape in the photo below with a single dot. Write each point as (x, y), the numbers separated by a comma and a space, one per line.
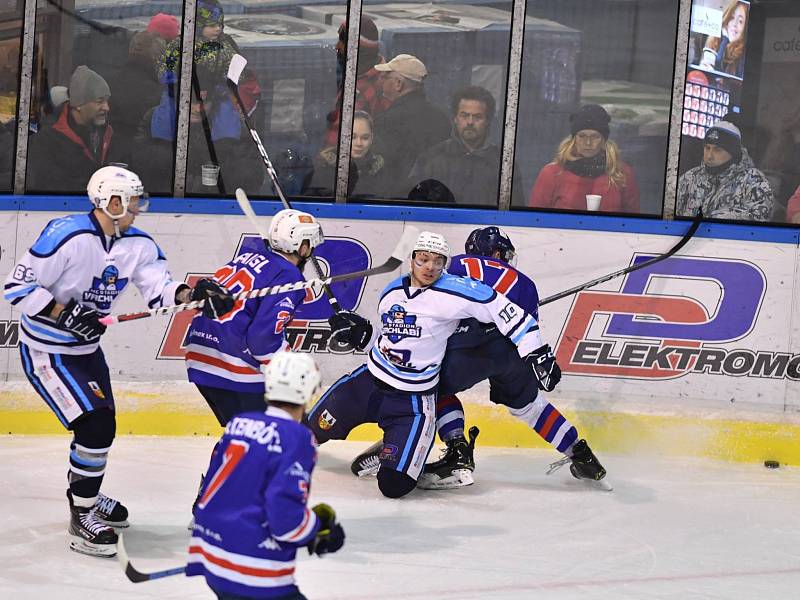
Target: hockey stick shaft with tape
(237, 65)
(133, 573)
(630, 269)
(401, 253)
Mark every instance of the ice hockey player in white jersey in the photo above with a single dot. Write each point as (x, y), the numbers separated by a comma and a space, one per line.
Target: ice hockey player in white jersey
(251, 516)
(71, 276)
(397, 388)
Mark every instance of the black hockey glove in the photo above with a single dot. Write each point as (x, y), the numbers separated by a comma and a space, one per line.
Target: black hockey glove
(330, 536)
(219, 300)
(81, 321)
(545, 368)
(348, 327)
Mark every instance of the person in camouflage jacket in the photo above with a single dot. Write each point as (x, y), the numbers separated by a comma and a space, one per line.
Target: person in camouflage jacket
(727, 185)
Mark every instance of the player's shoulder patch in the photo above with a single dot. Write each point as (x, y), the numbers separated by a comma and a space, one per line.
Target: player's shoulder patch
(59, 231)
(464, 286)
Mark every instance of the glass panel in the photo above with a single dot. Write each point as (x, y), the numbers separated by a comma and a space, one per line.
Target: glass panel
(11, 15)
(94, 81)
(601, 69)
(288, 89)
(740, 143)
(408, 141)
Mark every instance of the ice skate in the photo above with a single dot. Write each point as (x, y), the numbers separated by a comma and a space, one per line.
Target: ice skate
(583, 465)
(368, 462)
(111, 512)
(454, 469)
(89, 535)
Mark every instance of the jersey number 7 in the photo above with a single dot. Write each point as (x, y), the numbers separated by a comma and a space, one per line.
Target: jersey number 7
(233, 454)
(505, 281)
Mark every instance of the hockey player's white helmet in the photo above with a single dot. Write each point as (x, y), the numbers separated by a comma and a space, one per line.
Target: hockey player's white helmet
(289, 228)
(292, 377)
(111, 181)
(432, 242)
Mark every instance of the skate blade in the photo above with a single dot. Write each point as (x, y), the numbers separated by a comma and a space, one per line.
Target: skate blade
(367, 472)
(603, 485)
(458, 478)
(78, 544)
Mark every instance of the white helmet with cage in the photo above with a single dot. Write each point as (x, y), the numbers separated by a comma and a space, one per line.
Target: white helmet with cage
(427, 241)
(292, 377)
(290, 228)
(111, 181)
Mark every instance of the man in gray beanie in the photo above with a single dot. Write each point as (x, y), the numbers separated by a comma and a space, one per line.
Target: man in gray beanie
(63, 157)
(726, 185)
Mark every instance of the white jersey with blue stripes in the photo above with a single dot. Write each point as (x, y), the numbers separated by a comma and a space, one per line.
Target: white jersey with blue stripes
(416, 322)
(74, 259)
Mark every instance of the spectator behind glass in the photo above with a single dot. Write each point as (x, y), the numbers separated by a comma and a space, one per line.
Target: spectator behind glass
(368, 80)
(726, 185)
(727, 54)
(368, 175)
(411, 124)
(136, 86)
(163, 25)
(793, 208)
(587, 163)
(64, 155)
(466, 163)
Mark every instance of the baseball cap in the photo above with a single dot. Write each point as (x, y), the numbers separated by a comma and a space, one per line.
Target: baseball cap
(406, 65)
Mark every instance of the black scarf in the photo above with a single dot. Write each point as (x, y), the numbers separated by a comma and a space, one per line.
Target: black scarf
(588, 167)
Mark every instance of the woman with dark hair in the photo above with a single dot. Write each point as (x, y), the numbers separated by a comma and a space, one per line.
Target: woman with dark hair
(726, 54)
(587, 163)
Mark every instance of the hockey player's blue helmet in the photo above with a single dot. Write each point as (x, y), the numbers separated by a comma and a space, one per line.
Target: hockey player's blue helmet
(486, 240)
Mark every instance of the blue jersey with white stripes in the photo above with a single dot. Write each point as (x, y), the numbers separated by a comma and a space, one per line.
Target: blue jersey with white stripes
(251, 515)
(417, 322)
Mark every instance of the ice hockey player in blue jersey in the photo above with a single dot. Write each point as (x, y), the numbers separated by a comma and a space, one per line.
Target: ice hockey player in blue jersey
(224, 355)
(251, 516)
(476, 352)
(71, 276)
(397, 388)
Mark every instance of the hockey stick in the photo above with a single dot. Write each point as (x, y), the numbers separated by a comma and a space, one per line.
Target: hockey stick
(238, 63)
(401, 253)
(134, 574)
(630, 269)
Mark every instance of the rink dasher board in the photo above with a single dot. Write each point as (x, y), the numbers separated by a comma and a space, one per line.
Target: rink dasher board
(709, 333)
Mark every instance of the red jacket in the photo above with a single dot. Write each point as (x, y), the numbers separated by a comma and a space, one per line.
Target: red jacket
(556, 187)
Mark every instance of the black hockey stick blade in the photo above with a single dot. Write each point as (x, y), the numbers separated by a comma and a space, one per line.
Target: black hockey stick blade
(630, 269)
(137, 576)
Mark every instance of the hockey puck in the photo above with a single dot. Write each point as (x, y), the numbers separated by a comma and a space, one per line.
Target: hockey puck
(772, 464)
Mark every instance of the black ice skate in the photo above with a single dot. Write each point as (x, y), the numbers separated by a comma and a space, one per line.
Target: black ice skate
(454, 469)
(368, 462)
(583, 464)
(111, 512)
(88, 535)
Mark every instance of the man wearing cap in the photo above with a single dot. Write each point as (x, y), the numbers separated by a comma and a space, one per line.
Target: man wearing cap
(412, 123)
(726, 185)
(63, 156)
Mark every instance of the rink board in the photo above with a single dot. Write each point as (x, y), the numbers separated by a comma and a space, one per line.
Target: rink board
(703, 343)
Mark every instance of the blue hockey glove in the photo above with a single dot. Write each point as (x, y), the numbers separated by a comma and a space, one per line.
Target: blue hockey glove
(545, 368)
(219, 300)
(330, 536)
(348, 327)
(81, 321)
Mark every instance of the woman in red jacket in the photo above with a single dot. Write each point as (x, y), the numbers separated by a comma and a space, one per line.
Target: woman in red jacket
(587, 163)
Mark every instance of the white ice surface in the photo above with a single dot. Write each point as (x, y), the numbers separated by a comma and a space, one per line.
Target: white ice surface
(670, 530)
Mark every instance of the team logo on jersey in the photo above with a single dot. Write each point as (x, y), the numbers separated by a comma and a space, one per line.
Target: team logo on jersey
(297, 470)
(105, 288)
(389, 453)
(398, 324)
(672, 319)
(96, 390)
(326, 420)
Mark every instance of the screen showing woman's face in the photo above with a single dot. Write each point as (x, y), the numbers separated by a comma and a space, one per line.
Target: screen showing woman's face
(737, 24)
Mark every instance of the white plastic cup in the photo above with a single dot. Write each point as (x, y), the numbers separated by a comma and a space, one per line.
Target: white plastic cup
(209, 174)
(593, 201)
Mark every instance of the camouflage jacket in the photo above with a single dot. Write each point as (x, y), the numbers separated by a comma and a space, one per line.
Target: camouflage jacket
(741, 192)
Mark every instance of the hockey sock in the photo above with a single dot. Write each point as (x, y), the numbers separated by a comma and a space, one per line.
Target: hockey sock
(545, 420)
(94, 433)
(449, 417)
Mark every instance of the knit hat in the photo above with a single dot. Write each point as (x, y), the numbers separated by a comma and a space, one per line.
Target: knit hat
(85, 85)
(164, 25)
(368, 34)
(727, 136)
(209, 12)
(590, 116)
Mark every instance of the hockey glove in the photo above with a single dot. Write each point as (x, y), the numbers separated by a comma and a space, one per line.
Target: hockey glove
(330, 536)
(81, 321)
(348, 327)
(218, 300)
(545, 368)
